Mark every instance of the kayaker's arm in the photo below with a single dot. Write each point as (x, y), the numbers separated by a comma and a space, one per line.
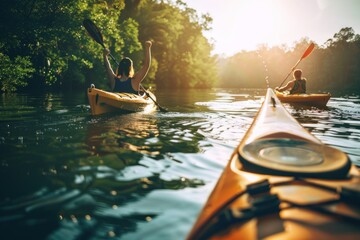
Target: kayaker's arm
(141, 74)
(109, 71)
(288, 86)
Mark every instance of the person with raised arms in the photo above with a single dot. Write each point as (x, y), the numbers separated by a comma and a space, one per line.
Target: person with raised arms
(125, 79)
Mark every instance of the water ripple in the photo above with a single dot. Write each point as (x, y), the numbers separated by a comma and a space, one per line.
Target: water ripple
(66, 174)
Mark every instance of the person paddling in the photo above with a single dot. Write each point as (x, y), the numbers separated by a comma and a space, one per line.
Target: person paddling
(125, 80)
(296, 86)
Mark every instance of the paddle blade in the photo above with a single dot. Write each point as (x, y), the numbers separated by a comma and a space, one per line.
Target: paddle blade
(308, 51)
(93, 31)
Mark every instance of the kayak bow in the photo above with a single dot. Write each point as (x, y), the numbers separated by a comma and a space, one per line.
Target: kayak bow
(104, 102)
(282, 183)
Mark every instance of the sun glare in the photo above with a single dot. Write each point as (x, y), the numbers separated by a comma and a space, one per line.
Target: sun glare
(259, 21)
(245, 24)
(249, 20)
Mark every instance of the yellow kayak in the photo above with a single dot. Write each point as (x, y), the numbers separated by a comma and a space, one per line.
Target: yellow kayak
(281, 182)
(314, 99)
(104, 102)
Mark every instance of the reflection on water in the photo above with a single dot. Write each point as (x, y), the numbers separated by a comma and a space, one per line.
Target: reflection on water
(66, 174)
(338, 124)
(119, 134)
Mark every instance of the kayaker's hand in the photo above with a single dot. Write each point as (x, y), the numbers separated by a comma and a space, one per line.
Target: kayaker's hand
(277, 88)
(106, 52)
(148, 44)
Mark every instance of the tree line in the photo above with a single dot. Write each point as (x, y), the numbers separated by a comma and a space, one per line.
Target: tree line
(333, 66)
(43, 45)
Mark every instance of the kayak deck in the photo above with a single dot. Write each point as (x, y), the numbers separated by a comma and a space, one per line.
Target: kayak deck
(104, 102)
(282, 198)
(315, 99)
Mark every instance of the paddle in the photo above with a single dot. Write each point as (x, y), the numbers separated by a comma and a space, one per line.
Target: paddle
(306, 53)
(95, 34)
(147, 94)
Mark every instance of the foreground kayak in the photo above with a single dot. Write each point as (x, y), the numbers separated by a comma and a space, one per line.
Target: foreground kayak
(315, 99)
(282, 183)
(104, 102)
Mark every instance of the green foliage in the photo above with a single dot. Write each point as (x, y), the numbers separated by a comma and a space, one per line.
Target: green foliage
(49, 35)
(183, 54)
(43, 44)
(14, 73)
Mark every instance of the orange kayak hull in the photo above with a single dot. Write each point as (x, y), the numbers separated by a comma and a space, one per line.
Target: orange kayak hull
(316, 99)
(104, 102)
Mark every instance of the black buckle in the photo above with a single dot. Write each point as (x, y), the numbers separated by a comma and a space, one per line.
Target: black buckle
(258, 187)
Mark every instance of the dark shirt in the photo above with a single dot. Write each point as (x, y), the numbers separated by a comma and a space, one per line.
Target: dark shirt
(124, 86)
(299, 86)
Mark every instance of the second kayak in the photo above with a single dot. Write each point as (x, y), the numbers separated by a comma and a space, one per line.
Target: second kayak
(281, 182)
(315, 99)
(104, 102)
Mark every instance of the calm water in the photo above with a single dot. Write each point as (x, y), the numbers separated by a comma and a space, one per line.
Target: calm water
(67, 175)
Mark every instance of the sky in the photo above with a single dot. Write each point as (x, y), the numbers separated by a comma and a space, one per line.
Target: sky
(245, 24)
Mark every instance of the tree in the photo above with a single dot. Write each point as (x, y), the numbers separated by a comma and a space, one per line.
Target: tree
(49, 35)
(14, 73)
(332, 67)
(181, 53)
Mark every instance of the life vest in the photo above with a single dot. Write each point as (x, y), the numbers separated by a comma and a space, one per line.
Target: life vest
(124, 86)
(299, 86)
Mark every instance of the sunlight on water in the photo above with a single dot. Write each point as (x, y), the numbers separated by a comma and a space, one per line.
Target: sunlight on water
(133, 176)
(337, 125)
